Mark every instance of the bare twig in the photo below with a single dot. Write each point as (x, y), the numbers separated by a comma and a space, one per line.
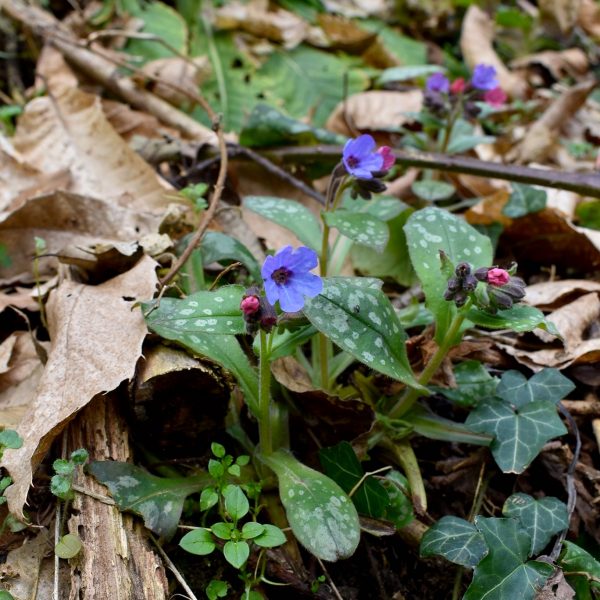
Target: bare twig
(174, 569)
(331, 583)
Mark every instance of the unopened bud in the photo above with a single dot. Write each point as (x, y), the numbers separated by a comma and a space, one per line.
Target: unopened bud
(250, 305)
(498, 277)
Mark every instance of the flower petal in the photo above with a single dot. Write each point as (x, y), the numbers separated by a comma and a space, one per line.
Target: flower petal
(272, 291)
(290, 299)
(363, 145)
(302, 260)
(308, 284)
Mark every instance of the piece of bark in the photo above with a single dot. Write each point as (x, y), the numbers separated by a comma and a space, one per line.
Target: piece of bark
(117, 562)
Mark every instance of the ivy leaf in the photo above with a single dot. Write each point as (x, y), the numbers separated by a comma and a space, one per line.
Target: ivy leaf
(576, 560)
(204, 312)
(524, 200)
(473, 383)
(520, 432)
(548, 385)
(518, 318)
(340, 463)
(362, 321)
(541, 519)
(159, 500)
(9, 438)
(430, 230)
(321, 515)
(361, 228)
(456, 540)
(289, 214)
(503, 573)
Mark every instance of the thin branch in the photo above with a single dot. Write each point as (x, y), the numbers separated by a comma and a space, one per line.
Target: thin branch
(174, 569)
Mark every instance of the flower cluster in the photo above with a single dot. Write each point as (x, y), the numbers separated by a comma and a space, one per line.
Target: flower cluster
(367, 164)
(441, 95)
(287, 279)
(500, 292)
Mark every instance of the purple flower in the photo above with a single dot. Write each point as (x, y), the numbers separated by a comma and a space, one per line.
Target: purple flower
(438, 82)
(360, 157)
(288, 279)
(484, 77)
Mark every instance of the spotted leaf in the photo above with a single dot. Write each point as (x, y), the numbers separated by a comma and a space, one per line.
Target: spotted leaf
(364, 229)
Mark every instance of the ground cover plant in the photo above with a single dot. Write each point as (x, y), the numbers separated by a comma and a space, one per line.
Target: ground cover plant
(299, 299)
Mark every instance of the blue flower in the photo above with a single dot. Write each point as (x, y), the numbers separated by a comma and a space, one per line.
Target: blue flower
(288, 279)
(484, 77)
(360, 157)
(437, 82)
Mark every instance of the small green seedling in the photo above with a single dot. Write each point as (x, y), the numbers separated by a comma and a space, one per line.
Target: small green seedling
(61, 484)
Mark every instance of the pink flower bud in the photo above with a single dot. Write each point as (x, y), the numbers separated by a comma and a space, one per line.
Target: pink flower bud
(250, 305)
(388, 158)
(496, 97)
(498, 277)
(458, 86)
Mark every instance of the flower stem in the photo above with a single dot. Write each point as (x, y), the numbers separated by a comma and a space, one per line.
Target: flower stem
(264, 398)
(411, 395)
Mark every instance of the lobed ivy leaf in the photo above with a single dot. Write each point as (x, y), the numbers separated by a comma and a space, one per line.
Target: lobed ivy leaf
(541, 519)
(456, 540)
(158, 500)
(430, 230)
(473, 383)
(9, 438)
(361, 228)
(580, 567)
(322, 517)
(504, 573)
(524, 200)
(204, 312)
(289, 214)
(518, 318)
(198, 541)
(548, 385)
(362, 321)
(520, 432)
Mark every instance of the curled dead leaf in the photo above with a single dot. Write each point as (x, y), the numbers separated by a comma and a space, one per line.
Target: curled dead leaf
(589, 18)
(553, 294)
(476, 43)
(572, 62)
(96, 340)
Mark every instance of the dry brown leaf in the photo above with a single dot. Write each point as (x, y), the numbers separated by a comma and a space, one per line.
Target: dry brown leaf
(53, 71)
(489, 209)
(553, 294)
(345, 34)
(69, 131)
(561, 14)
(16, 401)
(476, 44)
(291, 374)
(277, 25)
(128, 122)
(556, 588)
(25, 298)
(589, 18)
(18, 358)
(376, 110)
(542, 135)
(96, 339)
(63, 219)
(572, 62)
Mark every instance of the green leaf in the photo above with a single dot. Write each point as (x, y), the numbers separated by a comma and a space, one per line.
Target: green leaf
(286, 342)
(158, 500)
(548, 385)
(430, 230)
(204, 312)
(289, 214)
(359, 227)
(588, 215)
(574, 559)
(162, 21)
(223, 530)
(473, 384)
(236, 503)
(9, 438)
(340, 463)
(363, 322)
(524, 200)
(208, 498)
(433, 191)
(252, 530)
(384, 208)
(63, 467)
(198, 541)
(464, 138)
(218, 450)
(406, 49)
(518, 318)
(268, 126)
(503, 573)
(520, 432)
(4, 595)
(270, 537)
(60, 486)
(80, 456)
(216, 589)
(456, 540)
(68, 546)
(217, 246)
(321, 515)
(399, 509)
(394, 261)
(541, 519)
(236, 553)
(407, 73)
(223, 349)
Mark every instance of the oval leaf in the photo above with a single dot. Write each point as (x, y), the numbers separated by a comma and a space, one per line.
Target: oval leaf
(68, 546)
(320, 514)
(236, 553)
(236, 503)
(270, 537)
(198, 541)
(433, 191)
(364, 229)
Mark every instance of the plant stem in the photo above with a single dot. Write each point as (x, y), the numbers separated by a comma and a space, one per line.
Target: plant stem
(449, 127)
(264, 398)
(411, 395)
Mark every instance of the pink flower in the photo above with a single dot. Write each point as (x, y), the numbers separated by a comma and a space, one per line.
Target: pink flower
(496, 97)
(498, 277)
(388, 158)
(250, 305)
(458, 86)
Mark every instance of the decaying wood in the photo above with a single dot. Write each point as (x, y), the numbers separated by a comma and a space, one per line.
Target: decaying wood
(117, 562)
